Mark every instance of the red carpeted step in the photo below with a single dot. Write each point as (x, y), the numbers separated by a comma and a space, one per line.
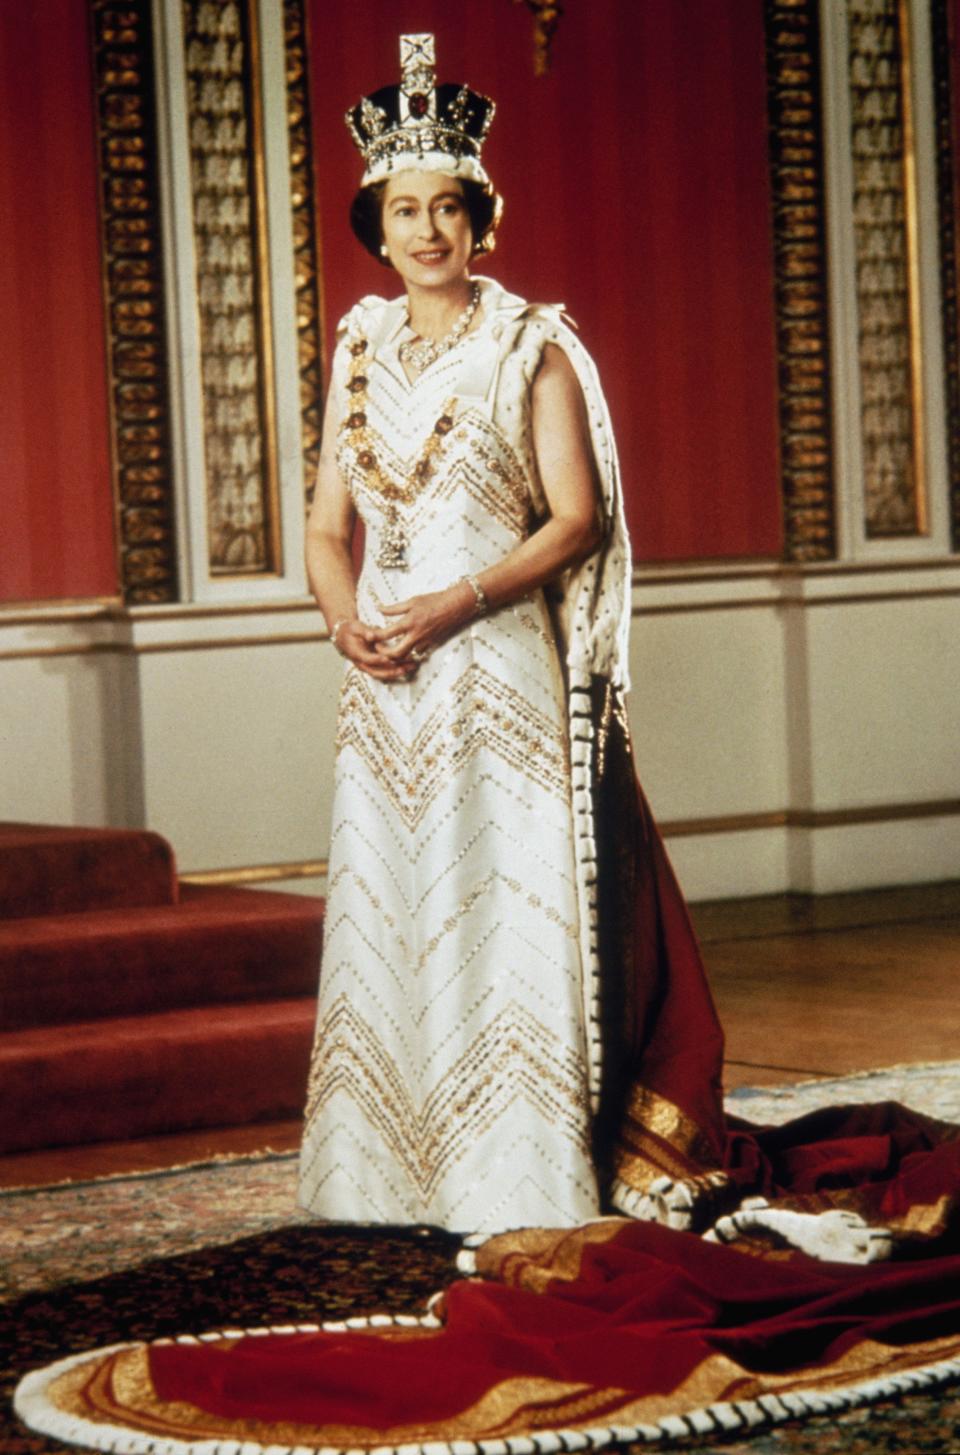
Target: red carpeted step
(111, 1080)
(216, 945)
(46, 869)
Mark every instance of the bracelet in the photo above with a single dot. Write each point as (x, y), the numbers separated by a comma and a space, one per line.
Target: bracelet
(340, 621)
(482, 603)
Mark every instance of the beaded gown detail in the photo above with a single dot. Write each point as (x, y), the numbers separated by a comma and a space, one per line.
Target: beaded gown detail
(450, 1075)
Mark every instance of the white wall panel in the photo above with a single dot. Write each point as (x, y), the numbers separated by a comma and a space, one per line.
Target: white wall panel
(707, 711)
(885, 701)
(731, 865)
(51, 730)
(864, 856)
(238, 751)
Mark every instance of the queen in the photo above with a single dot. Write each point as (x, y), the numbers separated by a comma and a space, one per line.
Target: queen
(457, 1067)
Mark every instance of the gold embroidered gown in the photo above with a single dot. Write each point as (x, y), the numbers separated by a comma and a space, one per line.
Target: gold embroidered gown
(451, 1075)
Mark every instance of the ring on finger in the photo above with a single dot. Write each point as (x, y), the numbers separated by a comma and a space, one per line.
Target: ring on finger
(417, 655)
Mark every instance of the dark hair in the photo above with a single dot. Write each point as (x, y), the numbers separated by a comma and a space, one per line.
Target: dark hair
(482, 203)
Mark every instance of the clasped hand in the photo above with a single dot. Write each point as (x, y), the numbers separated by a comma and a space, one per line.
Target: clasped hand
(414, 628)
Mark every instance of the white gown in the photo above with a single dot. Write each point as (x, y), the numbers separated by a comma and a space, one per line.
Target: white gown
(450, 1080)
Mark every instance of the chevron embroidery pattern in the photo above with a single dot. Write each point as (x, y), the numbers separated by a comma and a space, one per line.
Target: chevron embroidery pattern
(449, 1082)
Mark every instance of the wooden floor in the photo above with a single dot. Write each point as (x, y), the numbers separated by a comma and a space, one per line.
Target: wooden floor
(804, 988)
(830, 1001)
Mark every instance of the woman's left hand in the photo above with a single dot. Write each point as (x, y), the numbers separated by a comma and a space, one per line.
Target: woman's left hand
(421, 623)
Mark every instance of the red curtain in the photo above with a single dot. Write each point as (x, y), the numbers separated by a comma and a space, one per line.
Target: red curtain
(636, 185)
(54, 427)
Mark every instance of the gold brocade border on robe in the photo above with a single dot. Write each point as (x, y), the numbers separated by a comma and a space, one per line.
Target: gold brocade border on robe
(117, 1390)
(657, 1138)
(531, 1258)
(925, 1220)
(920, 1220)
(120, 1392)
(719, 1379)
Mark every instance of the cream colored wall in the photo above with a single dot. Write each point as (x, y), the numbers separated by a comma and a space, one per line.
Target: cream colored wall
(817, 728)
(794, 730)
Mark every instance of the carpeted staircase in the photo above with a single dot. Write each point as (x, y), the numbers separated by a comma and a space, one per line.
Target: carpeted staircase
(132, 1005)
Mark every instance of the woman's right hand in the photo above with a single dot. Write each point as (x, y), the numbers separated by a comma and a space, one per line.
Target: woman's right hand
(357, 642)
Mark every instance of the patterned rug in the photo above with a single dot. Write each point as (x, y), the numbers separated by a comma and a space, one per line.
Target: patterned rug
(933, 1088)
(89, 1264)
(84, 1230)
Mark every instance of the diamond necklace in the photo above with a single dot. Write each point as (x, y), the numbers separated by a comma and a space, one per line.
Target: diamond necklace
(418, 353)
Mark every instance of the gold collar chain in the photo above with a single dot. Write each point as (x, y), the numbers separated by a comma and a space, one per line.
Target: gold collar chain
(358, 436)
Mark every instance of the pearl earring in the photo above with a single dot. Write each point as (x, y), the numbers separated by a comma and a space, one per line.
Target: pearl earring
(383, 250)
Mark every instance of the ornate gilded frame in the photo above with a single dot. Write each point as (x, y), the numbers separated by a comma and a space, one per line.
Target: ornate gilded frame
(800, 279)
(231, 248)
(135, 312)
(885, 275)
(944, 76)
(306, 238)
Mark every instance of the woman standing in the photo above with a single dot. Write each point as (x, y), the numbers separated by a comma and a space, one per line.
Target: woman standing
(468, 1071)
(456, 1071)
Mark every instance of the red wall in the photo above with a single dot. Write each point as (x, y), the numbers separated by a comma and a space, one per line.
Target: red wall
(57, 533)
(636, 187)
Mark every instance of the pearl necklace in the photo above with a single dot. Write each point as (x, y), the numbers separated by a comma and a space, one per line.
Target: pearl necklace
(418, 353)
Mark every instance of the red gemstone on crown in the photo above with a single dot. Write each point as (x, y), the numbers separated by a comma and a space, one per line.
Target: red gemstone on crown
(419, 104)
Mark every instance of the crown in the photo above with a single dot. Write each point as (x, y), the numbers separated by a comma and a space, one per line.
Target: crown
(418, 125)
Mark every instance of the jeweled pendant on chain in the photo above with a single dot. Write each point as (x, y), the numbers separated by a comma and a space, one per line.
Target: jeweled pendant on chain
(392, 555)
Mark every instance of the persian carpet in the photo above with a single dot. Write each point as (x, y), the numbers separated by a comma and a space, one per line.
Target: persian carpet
(300, 1273)
(304, 1275)
(78, 1231)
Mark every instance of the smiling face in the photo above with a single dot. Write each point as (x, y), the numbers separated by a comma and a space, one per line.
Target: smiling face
(426, 228)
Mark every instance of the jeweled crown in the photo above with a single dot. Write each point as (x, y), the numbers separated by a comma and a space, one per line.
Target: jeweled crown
(418, 125)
